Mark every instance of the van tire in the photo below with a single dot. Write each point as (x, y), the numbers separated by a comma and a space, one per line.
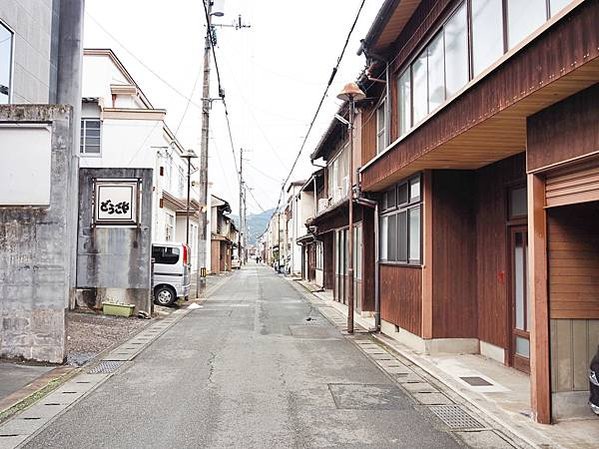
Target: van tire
(164, 295)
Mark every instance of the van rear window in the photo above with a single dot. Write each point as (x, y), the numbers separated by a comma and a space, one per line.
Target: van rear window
(165, 255)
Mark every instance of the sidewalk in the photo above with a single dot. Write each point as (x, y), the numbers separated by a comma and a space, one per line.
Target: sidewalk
(497, 393)
(366, 322)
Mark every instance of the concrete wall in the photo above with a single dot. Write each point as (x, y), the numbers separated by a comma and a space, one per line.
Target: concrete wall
(33, 72)
(34, 260)
(114, 262)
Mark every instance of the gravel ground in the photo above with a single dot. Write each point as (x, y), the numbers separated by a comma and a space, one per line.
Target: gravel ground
(89, 334)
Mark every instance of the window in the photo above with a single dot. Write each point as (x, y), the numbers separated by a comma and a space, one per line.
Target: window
(405, 102)
(339, 176)
(6, 44)
(169, 231)
(165, 255)
(436, 73)
(381, 134)
(400, 233)
(90, 136)
(319, 256)
(557, 5)
(487, 33)
(456, 51)
(419, 82)
(518, 205)
(454, 55)
(523, 18)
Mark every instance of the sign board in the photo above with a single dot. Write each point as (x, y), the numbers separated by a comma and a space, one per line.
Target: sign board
(25, 164)
(116, 202)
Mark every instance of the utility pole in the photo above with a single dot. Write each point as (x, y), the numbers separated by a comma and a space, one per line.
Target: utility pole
(245, 223)
(241, 242)
(206, 103)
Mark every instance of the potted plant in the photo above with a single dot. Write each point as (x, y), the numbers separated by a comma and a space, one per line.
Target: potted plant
(115, 308)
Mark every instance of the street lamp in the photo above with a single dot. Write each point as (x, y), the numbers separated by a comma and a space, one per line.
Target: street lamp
(351, 93)
(189, 156)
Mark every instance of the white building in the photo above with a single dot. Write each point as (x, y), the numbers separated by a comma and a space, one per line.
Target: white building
(296, 215)
(121, 128)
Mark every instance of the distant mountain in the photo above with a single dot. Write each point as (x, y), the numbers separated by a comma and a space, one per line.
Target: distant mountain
(256, 223)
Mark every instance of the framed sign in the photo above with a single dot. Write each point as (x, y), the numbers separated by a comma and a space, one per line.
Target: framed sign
(116, 202)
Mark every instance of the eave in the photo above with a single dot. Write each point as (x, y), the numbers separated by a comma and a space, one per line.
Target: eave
(389, 23)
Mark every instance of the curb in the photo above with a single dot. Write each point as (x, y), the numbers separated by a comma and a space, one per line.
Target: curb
(502, 424)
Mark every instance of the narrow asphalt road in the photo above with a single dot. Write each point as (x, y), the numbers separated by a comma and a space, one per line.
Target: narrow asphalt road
(248, 371)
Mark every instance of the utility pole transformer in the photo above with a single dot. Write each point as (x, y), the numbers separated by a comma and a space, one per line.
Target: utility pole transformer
(206, 103)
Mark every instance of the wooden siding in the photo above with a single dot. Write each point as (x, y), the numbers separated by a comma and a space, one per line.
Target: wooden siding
(573, 259)
(368, 143)
(328, 241)
(491, 242)
(566, 130)
(576, 184)
(401, 296)
(454, 255)
(488, 121)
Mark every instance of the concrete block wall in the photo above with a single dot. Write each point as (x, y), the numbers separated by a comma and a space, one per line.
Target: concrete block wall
(114, 263)
(34, 259)
(34, 67)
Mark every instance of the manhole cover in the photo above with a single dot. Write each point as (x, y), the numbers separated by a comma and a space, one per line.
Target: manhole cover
(455, 417)
(105, 367)
(476, 381)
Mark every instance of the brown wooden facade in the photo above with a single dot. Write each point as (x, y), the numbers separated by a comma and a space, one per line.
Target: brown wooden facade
(523, 133)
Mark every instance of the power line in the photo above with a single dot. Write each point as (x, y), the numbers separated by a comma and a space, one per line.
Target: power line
(255, 200)
(324, 96)
(263, 173)
(174, 89)
(149, 69)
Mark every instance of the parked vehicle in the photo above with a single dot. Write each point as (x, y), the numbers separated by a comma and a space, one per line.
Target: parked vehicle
(172, 272)
(235, 263)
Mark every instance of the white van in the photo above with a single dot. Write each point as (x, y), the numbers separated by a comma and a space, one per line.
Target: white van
(172, 272)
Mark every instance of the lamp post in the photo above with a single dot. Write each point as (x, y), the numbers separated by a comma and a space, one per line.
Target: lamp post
(351, 93)
(189, 156)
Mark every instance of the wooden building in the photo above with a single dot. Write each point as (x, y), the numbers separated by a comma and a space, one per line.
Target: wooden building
(482, 150)
(330, 224)
(224, 236)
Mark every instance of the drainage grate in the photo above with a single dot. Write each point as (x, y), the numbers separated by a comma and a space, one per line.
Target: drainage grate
(455, 417)
(476, 381)
(105, 367)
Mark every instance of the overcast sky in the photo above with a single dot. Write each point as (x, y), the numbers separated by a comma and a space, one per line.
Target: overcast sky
(274, 74)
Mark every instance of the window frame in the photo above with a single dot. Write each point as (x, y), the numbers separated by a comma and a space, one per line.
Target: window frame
(397, 210)
(334, 170)
(11, 62)
(82, 151)
(423, 47)
(170, 223)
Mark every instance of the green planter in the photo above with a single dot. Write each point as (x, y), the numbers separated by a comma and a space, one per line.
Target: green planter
(110, 308)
